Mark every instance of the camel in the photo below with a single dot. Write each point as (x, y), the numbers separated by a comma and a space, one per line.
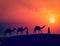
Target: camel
(38, 28)
(9, 31)
(22, 29)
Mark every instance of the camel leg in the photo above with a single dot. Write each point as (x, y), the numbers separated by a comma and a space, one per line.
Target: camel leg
(34, 32)
(41, 32)
(38, 31)
(17, 32)
(10, 34)
(21, 33)
(27, 32)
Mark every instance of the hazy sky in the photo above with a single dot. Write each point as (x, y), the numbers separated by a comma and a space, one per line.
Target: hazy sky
(36, 12)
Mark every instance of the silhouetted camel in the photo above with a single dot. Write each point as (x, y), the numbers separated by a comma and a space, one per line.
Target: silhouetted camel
(22, 29)
(9, 31)
(38, 28)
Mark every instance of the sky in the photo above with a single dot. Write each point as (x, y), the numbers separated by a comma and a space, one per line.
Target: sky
(31, 13)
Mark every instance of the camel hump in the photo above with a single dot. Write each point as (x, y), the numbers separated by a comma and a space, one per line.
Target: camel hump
(37, 26)
(20, 29)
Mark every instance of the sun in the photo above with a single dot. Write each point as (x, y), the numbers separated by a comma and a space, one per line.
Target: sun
(52, 20)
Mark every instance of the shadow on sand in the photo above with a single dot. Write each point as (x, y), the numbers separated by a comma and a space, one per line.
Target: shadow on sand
(32, 40)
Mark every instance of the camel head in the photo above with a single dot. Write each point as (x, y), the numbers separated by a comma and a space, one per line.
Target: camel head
(43, 27)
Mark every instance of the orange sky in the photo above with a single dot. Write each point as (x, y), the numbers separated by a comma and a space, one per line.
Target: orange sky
(35, 12)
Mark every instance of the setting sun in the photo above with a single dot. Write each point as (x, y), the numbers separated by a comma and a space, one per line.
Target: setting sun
(52, 20)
